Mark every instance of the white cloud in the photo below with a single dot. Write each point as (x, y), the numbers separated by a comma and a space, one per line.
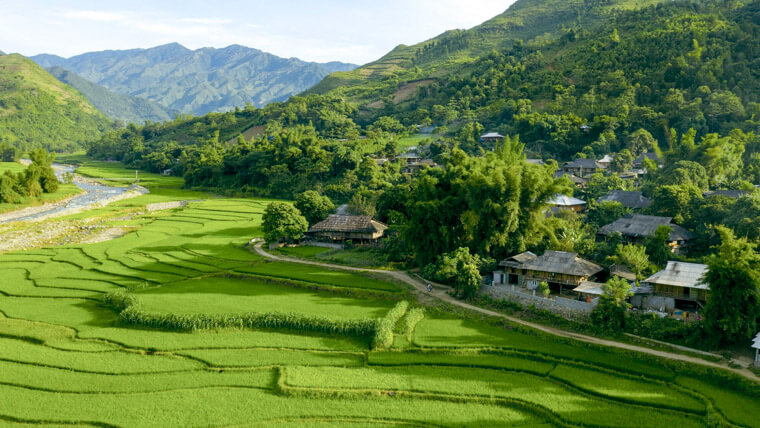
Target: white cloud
(93, 15)
(208, 21)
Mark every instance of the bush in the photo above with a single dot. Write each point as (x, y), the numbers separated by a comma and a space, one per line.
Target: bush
(384, 326)
(131, 313)
(410, 322)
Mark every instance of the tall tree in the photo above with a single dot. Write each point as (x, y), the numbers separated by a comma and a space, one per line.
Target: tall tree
(733, 308)
(283, 222)
(314, 206)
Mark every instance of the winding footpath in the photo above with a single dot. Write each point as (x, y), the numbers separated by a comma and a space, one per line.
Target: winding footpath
(440, 292)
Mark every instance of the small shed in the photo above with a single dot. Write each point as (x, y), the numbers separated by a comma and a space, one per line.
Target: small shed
(567, 202)
(756, 347)
(339, 227)
(491, 137)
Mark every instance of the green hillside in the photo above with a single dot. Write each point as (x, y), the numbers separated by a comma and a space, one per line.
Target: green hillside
(114, 105)
(37, 110)
(529, 21)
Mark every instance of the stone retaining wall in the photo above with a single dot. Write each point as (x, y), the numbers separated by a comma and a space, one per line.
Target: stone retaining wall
(567, 308)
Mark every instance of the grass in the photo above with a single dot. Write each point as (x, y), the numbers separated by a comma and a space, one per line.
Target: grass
(114, 173)
(359, 257)
(319, 275)
(412, 141)
(65, 357)
(229, 295)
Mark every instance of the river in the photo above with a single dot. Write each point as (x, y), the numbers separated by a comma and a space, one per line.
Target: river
(93, 194)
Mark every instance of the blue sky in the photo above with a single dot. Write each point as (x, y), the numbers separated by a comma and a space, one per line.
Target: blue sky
(355, 31)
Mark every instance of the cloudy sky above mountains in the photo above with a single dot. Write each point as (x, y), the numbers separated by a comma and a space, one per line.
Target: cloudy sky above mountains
(356, 31)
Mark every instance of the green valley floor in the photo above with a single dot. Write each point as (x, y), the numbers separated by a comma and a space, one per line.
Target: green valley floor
(180, 323)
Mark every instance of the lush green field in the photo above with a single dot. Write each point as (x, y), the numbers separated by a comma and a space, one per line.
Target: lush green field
(68, 357)
(116, 174)
(359, 256)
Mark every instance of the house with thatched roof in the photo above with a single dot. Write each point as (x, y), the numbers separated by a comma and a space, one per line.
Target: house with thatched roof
(638, 227)
(559, 269)
(338, 227)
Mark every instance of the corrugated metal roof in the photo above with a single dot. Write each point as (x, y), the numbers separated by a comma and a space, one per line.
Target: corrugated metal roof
(492, 135)
(642, 226)
(565, 201)
(553, 262)
(756, 342)
(679, 274)
(590, 287)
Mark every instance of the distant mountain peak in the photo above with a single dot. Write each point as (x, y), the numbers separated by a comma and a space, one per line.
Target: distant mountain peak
(197, 81)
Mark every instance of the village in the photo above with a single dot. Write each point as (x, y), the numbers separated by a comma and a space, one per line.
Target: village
(563, 282)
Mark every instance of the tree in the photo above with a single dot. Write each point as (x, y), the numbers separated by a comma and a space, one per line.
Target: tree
(605, 212)
(633, 256)
(609, 314)
(673, 200)
(640, 141)
(492, 204)
(657, 245)
(733, 308)
(8, 194)
(622, 161)
(283, 221)
(544, 289)
(314, 206)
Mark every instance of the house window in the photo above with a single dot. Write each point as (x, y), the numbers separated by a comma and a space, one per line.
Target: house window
(513, 279)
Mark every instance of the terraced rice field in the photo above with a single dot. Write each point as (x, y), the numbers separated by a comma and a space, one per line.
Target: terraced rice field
(69, 357)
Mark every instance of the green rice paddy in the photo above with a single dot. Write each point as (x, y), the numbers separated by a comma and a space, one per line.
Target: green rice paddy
(67, 357)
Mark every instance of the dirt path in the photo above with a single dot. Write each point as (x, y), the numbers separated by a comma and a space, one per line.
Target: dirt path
(440, 292)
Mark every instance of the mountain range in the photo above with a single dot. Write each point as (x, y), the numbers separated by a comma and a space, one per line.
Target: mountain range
(196, 81)
(117, 106)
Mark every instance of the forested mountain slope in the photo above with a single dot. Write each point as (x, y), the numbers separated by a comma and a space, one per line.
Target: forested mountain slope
(37, 110)
(114, 105)
(197, 81)
(526, 21)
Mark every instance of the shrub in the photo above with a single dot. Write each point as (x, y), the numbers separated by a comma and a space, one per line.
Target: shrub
(131, 313)
(385, 325)
(412, 318)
